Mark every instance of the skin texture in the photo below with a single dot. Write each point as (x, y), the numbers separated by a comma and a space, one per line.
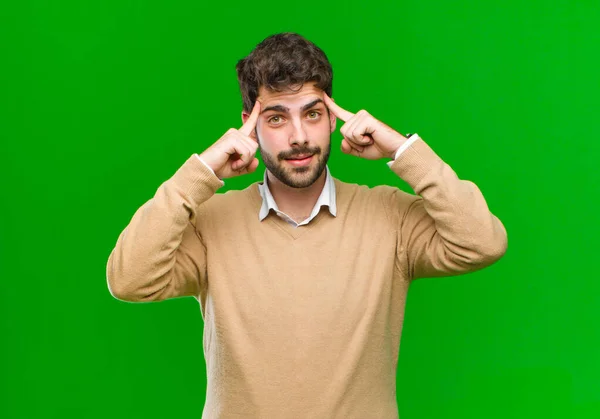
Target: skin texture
(299, 122)
(287, 133)
(233, 154)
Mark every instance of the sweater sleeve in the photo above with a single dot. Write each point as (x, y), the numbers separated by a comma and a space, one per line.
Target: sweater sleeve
(160, 254)
(445, 229)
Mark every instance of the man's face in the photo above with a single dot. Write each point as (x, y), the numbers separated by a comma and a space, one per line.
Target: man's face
(293, 125)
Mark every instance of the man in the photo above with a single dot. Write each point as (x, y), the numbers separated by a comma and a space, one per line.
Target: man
(301, 278)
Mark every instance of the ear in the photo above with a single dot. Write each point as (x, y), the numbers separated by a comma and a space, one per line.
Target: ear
(332, 121)
(245, 116)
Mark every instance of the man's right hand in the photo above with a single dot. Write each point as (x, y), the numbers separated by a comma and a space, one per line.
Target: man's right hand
(233, 154)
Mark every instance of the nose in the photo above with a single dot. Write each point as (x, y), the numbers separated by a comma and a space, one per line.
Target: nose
(298, 135)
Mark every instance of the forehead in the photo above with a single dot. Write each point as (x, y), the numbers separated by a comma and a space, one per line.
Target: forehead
(289, 99)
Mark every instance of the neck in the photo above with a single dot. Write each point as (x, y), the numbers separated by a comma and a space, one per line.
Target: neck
(296, 200)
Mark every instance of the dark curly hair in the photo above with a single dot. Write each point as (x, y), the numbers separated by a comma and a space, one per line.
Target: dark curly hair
(279, 63)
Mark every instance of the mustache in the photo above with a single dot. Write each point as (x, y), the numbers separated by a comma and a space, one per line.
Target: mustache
(298, 152)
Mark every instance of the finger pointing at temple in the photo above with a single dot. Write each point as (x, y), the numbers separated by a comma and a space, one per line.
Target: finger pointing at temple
(250, 123)
(341, 113)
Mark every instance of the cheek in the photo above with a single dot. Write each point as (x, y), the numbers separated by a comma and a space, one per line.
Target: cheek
(270, 138)
(320, 130)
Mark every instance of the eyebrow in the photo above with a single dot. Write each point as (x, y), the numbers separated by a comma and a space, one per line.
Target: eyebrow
(281, 108)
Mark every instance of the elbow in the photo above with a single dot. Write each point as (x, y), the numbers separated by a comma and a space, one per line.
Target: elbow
(493, 256)
(493, 249)
(121, 285)
(118, 289)
(132, 289)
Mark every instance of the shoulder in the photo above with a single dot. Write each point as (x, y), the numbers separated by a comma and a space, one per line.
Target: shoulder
(389, 199)
(385, 192)
(230, 204)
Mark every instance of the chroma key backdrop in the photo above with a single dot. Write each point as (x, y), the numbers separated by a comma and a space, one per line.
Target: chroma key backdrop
(101, 102)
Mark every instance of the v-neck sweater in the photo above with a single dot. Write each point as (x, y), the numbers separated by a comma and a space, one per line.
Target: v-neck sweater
(303, 322)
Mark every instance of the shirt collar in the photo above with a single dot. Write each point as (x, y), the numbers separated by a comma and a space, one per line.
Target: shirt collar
(326, 198)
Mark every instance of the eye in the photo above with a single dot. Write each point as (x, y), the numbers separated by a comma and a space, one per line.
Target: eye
(275, 119)
(314, 114)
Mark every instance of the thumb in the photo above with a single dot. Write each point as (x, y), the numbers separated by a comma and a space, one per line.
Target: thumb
(251, 167)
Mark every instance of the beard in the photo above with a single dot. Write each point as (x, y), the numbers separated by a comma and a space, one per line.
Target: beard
(296, 177)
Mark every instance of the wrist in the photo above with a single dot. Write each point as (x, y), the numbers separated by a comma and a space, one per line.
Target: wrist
(397, 146)
(206, 159)
(207, 162)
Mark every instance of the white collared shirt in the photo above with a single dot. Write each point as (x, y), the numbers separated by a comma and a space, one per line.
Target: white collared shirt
(326, 198)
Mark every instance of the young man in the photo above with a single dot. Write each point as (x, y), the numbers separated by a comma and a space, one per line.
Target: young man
(301, 278)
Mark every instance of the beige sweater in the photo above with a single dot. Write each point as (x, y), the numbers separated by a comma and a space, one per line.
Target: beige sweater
(303, 322)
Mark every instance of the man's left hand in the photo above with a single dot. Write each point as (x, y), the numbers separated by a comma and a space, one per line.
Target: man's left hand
(365, 136)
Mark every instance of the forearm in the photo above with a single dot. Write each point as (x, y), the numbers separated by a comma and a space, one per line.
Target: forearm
(451, 229)
(149, 261)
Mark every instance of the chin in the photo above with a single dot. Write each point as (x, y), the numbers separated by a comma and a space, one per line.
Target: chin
(302, 177)
(296, 177)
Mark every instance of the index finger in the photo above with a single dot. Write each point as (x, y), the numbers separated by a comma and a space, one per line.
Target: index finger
(343, 114)
(250, 123)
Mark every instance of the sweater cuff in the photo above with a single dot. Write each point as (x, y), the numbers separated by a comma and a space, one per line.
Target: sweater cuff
(415, 162)
(200, 158)
(411, 139)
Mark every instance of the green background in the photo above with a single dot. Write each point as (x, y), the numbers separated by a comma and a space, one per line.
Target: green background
(100, 102)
